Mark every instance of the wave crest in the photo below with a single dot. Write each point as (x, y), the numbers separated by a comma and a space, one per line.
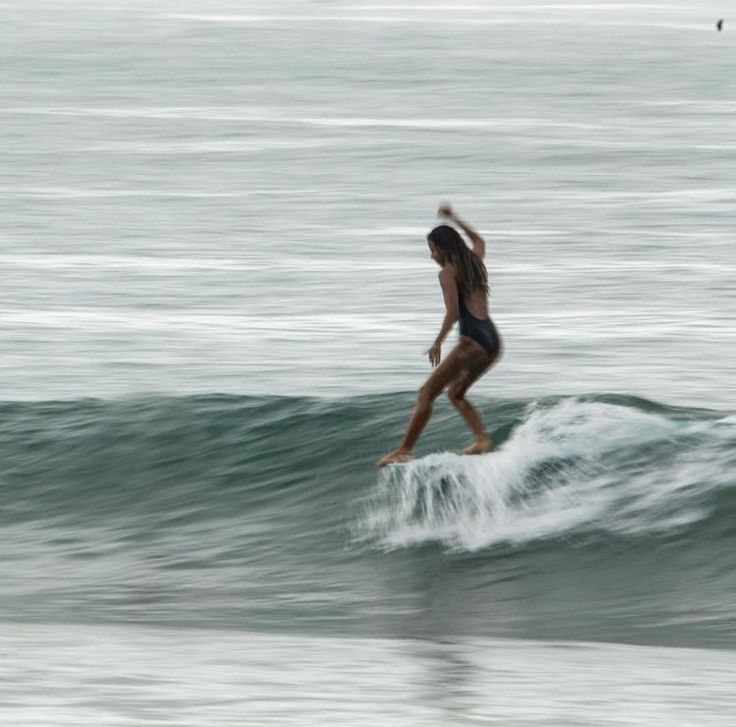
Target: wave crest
(570, 467)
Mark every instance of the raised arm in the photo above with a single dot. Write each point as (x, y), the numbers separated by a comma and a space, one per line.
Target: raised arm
(478, 243)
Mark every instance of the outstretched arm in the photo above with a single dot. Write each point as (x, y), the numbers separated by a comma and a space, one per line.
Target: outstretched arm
(479, 244)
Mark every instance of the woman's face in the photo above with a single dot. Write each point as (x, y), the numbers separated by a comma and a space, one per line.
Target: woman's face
(435, 254)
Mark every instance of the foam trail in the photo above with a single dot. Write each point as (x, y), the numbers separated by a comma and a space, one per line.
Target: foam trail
(572, 467)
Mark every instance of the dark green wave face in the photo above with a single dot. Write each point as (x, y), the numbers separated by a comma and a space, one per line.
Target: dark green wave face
(600, 517)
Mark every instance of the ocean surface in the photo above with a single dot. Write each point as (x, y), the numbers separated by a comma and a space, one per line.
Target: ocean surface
(216, 300)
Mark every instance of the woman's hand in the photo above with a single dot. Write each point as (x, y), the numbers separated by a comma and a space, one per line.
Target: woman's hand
(445, 211)
(435, 353)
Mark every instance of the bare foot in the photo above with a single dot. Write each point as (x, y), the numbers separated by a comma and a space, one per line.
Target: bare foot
(479, 446)
(398, 455)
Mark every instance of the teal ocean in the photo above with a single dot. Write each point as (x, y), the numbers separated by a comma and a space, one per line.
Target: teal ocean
(599, 518)
(216, 301)
(157, 536)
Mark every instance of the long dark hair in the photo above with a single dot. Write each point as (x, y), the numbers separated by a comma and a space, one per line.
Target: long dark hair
(471, 272)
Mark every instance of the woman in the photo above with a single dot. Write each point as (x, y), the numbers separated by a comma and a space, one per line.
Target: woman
(464, 282)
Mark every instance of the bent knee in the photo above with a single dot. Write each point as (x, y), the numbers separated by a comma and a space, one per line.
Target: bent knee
(427, 395)
(456, 394)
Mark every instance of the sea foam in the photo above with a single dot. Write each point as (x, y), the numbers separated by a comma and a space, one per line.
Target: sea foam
(570, 468)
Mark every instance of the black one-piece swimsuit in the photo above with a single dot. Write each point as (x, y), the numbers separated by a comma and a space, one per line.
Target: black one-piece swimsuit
(481, 330)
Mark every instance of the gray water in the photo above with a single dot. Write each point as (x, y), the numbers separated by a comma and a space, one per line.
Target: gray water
(95, 676)
(234, 197)
(213, 197)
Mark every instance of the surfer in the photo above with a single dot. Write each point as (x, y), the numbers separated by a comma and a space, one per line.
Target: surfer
(464, 282)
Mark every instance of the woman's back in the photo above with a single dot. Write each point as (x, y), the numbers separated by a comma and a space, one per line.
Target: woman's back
(476, 302)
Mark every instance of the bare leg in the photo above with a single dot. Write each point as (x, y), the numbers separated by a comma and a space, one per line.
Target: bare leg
(481, 362)
(419, 418)
(417, 422)
(483, 442)
(450, 368)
